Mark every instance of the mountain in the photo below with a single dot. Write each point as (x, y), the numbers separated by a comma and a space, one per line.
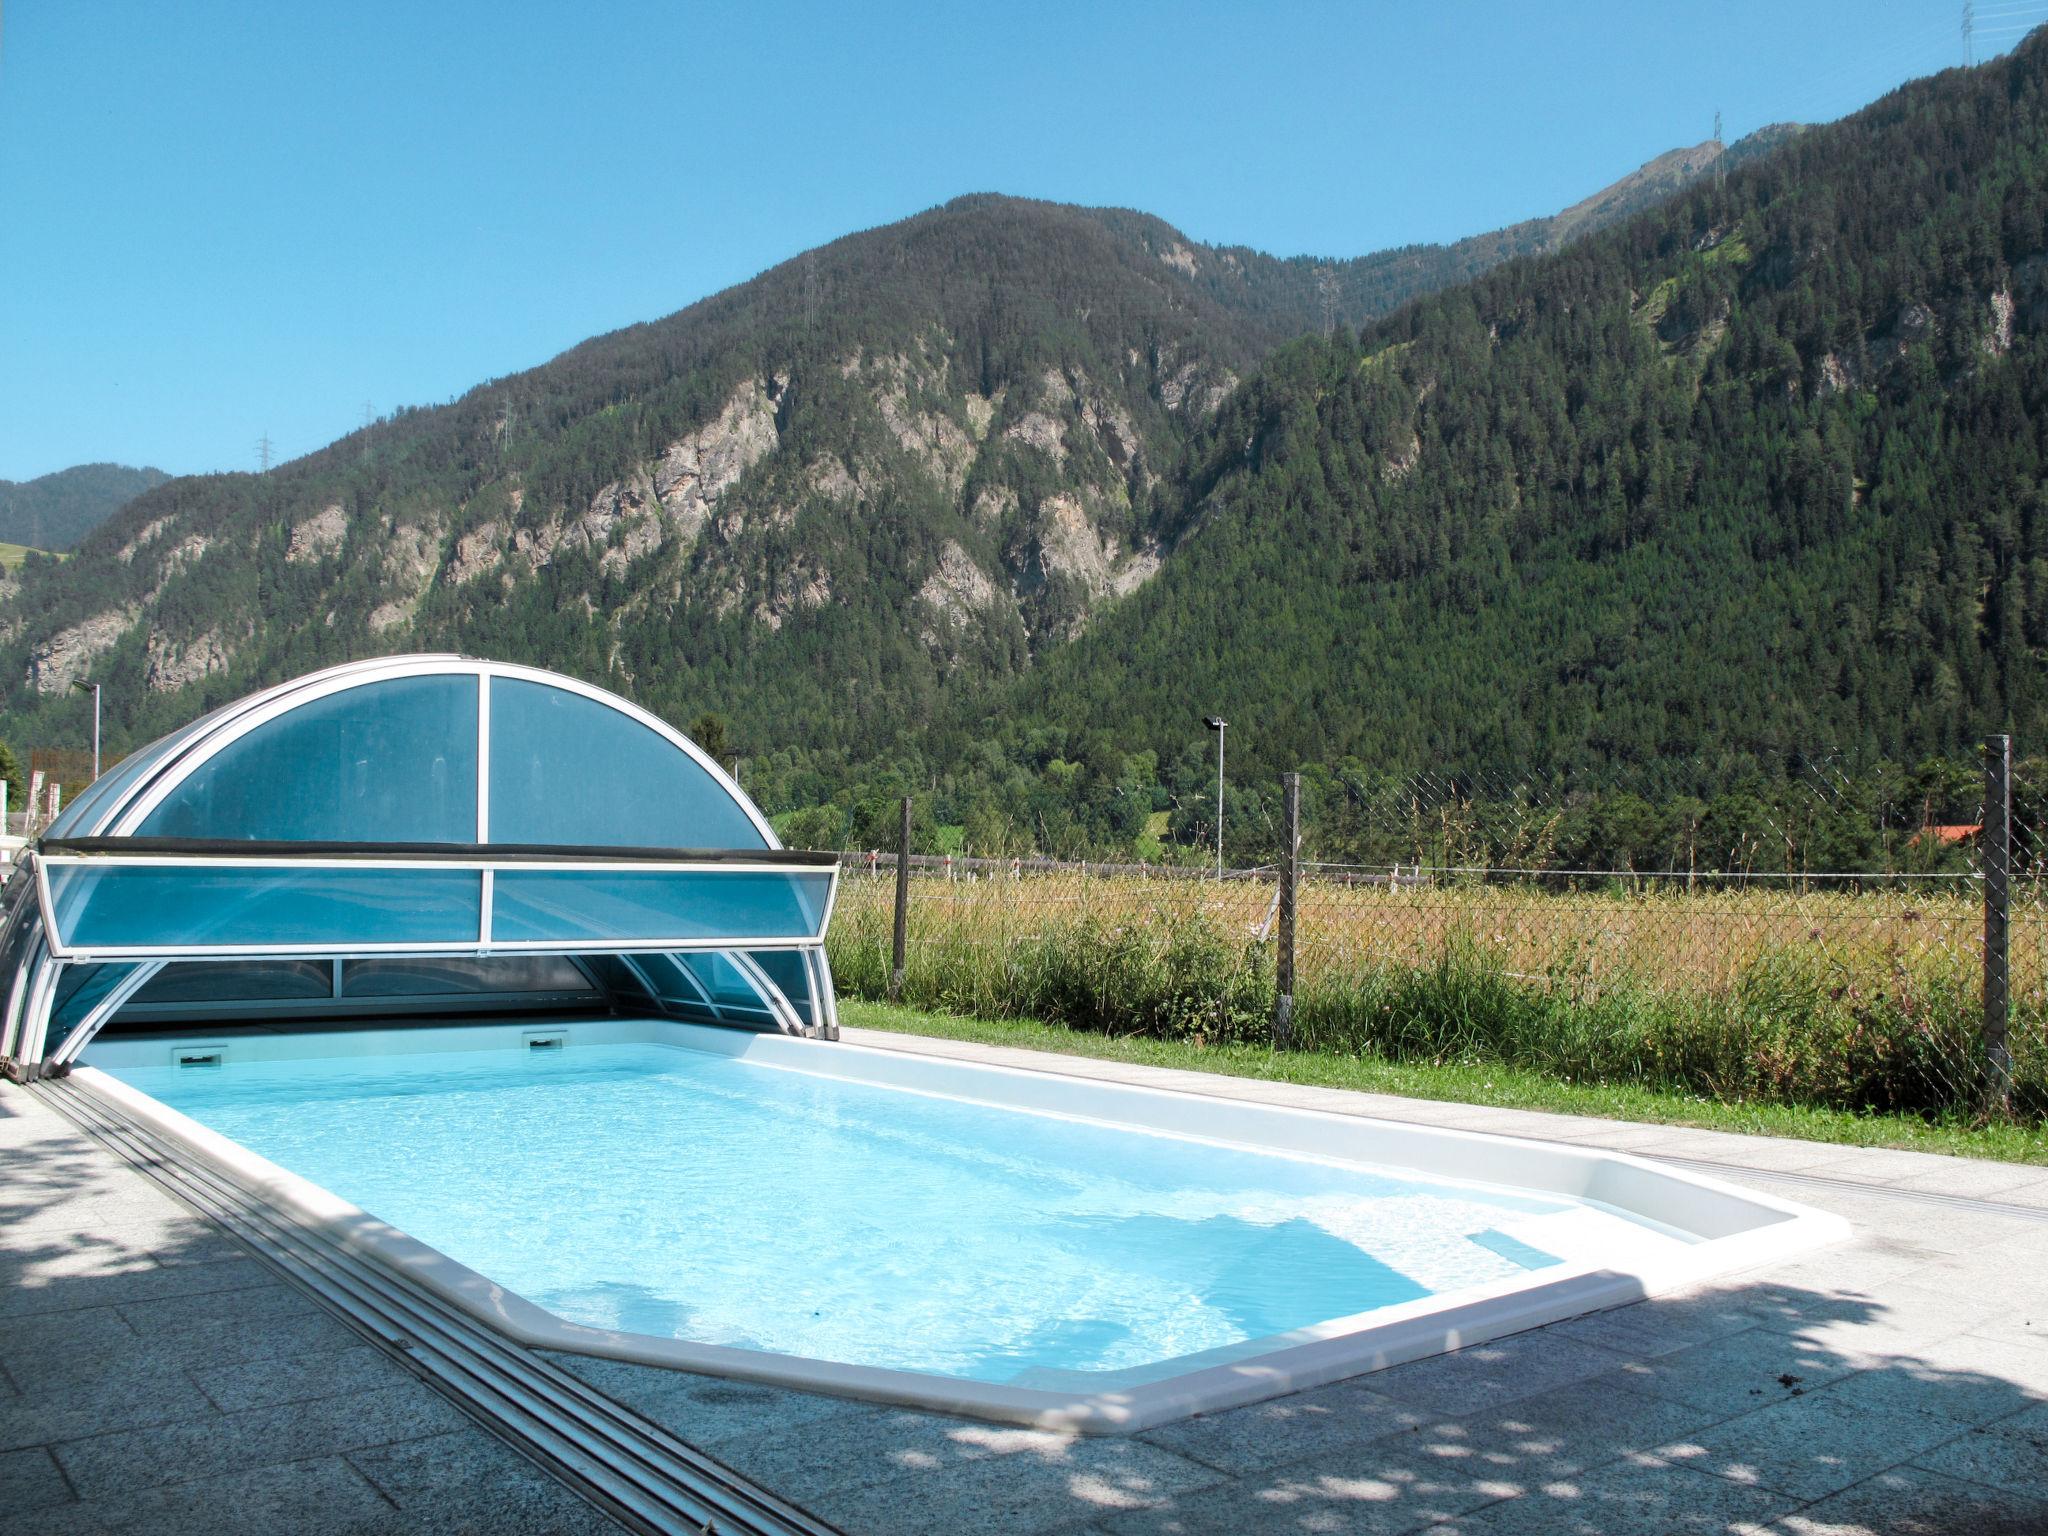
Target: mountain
(55, 511)
(833, 502)
(1293, 296)
(1760, 470)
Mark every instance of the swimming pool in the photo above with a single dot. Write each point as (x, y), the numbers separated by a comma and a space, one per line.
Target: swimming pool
(1011, 1243)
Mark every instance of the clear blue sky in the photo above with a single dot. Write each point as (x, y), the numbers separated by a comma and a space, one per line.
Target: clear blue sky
(222, 220)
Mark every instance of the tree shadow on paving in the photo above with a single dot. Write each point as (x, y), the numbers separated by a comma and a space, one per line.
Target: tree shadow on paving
(1806, 1411)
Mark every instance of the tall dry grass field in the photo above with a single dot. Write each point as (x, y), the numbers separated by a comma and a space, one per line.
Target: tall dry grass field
(1854, 996)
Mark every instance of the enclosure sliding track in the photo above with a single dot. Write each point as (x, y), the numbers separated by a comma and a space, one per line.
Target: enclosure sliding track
(644, 1477)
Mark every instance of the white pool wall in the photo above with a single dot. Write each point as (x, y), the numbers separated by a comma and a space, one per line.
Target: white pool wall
(1732, 1228)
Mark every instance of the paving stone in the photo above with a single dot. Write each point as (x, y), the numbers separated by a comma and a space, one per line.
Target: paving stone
(1662, 1324)
(844, 1453)
(195, 1242)
(1867, 1260)
(1977, 1179)
(90, 1330)
(1638, 1497)
(136, 1395)
(2027, 1331)
(43, 1263)
(465, 1481)
(705, 1409)
(1241, 1440)
(106, 1465)
(1734, 1374)
(297, 1378)
(1891, 1165)
(257, 1338)
(1017, 1494)
(1764, 1153)
(1895, 1316)
(1951, 1229)
(1911, 1501)
(39, 1292)
(2011, 1453)
(29, 1479)
(1564, 1433)
(211, 1311)
(1968, 1380)
(1398, 1483)
(2009, 1275)
(322, 1496)
(1486, 1375)
(1810, 1446)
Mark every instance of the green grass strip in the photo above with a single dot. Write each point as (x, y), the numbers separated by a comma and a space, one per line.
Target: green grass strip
(1501, 1086)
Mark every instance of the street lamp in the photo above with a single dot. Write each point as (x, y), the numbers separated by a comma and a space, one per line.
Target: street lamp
(94, 689)
(1218, 724)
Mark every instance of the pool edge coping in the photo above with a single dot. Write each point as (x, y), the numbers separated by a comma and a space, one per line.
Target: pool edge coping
(1331, 1351)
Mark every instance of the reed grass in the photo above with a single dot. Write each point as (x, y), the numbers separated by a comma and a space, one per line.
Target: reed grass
(1861, 1002)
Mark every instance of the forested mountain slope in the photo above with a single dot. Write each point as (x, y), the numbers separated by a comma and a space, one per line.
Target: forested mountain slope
(832, 502)
(1286, 297)
(1759, 469)
(56, 510)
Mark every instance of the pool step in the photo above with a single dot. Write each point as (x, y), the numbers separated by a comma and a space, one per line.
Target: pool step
(630, 1467)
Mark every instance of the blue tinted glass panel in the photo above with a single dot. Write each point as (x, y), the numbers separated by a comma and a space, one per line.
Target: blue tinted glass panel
(572, 906)
(790, 970)
(568, 770)
(112, 906)
(239, 981)
(461, 976)
(736, 1000)
(389, 762)
(78, 993)
(105, 791)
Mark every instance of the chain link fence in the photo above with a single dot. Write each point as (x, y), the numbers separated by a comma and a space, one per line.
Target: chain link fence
(1822, 942)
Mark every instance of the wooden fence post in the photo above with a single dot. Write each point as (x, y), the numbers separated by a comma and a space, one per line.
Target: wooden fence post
(1996, 848)
(1290, 882)
(902, 906)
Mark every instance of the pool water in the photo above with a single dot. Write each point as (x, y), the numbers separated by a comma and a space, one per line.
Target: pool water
(661, 1190)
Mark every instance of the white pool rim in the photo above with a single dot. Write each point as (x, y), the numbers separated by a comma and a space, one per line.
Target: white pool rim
(1734, 1228)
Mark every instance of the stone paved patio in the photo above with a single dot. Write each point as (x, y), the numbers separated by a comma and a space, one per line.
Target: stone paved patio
(1895, 1384)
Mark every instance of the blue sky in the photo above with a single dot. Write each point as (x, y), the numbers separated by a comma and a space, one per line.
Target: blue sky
(218, 221)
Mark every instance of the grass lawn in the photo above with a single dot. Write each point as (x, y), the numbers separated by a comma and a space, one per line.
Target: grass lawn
(1476, 1084)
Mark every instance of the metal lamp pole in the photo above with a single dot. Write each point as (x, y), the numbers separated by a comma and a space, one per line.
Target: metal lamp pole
(94, 690)
(1218, 724)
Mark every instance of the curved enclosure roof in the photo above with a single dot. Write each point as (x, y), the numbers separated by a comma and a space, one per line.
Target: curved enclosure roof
(415, 826)
(425, 749)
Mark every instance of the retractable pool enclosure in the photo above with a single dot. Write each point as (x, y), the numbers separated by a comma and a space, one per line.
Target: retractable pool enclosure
(415, 835)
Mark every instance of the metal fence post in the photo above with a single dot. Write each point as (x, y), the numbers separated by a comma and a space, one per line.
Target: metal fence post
(1997, 852)
(902, 906)
(1290, 880)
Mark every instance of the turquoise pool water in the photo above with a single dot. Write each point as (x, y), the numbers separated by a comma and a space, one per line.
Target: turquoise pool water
(674, 1192)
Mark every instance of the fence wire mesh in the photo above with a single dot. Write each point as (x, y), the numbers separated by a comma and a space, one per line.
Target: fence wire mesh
(1814, 936)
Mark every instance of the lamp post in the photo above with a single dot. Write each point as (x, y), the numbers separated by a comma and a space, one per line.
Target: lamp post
(1218, 724)
(94, 689)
